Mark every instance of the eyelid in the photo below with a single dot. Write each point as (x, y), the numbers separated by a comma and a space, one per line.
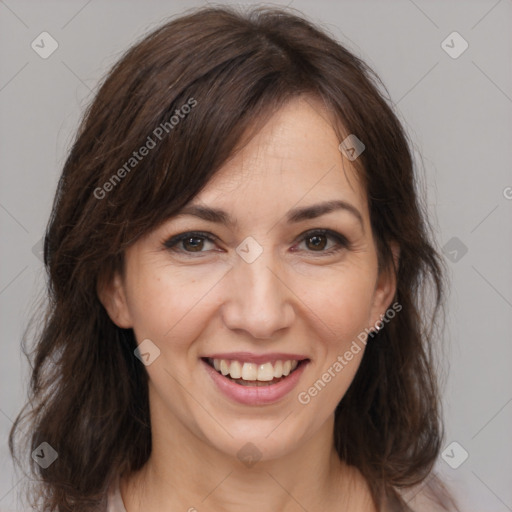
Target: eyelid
(170, 242)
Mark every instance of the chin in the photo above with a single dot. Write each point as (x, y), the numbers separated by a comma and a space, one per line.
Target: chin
(258, 440)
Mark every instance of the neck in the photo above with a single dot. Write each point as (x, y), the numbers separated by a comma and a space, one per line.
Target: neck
(185, 472)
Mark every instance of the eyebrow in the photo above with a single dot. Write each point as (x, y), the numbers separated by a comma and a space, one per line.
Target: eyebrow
(295, 215)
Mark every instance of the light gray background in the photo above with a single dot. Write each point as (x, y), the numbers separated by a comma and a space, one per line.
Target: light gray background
(457, 111)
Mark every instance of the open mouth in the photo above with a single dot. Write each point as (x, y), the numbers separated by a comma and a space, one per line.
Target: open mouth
(252, 374)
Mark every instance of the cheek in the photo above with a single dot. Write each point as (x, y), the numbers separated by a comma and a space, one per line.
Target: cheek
(344, 305)
(342, 314)
(166, 306)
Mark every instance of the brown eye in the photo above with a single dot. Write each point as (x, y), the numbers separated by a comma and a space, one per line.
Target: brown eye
(194, 243)
(188, 243)
(316, 242)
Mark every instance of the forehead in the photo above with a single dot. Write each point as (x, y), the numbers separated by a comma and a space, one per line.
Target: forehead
(294, 158)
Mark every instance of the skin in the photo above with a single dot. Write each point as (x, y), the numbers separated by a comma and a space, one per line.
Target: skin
(293, 298)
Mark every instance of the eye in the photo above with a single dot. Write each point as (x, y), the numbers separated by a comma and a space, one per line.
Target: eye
(315, 240)
(193, 240)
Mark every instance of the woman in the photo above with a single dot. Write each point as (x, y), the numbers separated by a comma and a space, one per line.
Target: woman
(237, 264)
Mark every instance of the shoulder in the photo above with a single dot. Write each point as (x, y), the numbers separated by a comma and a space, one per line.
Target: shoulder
(114, 499)
(421, 502)
(430, 496)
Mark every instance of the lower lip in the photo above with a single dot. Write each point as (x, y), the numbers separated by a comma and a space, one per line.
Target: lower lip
(255, 395)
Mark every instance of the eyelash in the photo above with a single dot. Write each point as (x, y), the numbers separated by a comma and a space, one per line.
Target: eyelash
(342, 242)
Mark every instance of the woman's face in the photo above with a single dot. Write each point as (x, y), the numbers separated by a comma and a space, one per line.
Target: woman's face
(277, 276)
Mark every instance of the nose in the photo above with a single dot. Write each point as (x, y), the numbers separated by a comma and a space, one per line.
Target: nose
(257, 298)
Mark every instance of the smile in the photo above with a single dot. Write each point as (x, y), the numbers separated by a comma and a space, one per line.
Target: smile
(255, 382)
(252, 374)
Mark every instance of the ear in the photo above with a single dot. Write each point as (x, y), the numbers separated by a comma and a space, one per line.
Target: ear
(386, 287)
(112, 294)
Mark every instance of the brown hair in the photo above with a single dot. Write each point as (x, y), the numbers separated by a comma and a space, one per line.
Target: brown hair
(88, 393)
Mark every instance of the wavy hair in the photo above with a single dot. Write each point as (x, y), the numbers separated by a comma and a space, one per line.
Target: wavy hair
(88, 395)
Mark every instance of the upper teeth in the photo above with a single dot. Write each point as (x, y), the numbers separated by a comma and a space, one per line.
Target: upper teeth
(253, 371)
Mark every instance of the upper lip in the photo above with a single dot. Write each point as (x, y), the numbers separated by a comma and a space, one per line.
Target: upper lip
(249, 357)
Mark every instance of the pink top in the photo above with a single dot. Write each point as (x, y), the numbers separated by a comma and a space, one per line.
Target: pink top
(115, 501)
